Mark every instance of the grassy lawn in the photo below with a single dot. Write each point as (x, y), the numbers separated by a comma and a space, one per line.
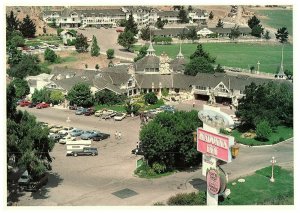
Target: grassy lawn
(277, 19)
(243, 55)
(282, 133)
(258, 190)
(118, 108)
(145, 171)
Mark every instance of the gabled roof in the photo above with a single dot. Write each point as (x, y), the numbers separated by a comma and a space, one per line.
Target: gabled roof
(147, 62)
(167, 13)
(145, 81)
(171, 31)
(178, 64)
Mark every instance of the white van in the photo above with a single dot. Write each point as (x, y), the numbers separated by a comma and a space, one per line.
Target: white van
(77, 145)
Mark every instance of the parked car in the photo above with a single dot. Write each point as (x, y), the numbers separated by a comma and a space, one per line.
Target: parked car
(66, 138)
(42, 105)
(119, 116)
(108, 115)
(65, 130)
(89, 112)
(100, 136)
(86, 151)
(27, 183)
(76, 132)
(88, 135)
(31, 105)
(73, 107)
(80, 111)
(119, 30)
(55, 137)
(167, 108)
(99, 112)
(24, 179)
(24, 103)
(56, 128)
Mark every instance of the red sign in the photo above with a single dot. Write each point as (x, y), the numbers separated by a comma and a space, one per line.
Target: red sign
(213, 182)
(215, 145)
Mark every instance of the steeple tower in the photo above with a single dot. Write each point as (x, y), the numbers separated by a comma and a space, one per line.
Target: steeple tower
(179, 55)
(150, 50)
(281, 74)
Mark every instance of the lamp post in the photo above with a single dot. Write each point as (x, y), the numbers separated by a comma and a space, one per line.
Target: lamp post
(273, 161)
(258, 66)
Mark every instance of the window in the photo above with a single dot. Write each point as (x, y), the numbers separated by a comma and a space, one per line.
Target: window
(201, 87)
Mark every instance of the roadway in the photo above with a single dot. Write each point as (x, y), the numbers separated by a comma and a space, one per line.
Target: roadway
(90, 181)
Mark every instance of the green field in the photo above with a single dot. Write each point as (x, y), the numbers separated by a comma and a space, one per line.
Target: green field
(282, 133)
(258, 190)
(242, 55)
(277, 19)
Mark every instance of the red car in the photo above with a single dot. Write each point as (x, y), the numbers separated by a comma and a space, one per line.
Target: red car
(119, 30)
(42, 105)
(24, 103)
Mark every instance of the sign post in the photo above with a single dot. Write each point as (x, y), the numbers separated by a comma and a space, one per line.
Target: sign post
(214, 146)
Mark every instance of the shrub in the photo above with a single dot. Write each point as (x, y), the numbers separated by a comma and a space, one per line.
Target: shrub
(159, 168)
(184, 199)
(50, 55)
(110, 53)
(263, 130)
(165, 92)
(150, 98)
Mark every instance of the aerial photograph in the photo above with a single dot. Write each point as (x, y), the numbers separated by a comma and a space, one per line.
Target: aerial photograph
(149, 105)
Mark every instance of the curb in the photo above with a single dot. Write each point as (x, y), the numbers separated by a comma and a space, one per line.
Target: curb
(266, 145)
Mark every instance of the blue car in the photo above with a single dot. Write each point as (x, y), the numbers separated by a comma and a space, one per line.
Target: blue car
(80, 111)
(88, 135)
(167, 108)
(76, 132)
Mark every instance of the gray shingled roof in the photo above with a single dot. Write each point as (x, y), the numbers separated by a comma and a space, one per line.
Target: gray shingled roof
(147, 62)
(101, 84)
(178, 64)
(103, 12)
(68, 83)
(171, 31)
(167, 13)
(245, 30)
(145, 81)
(183, 81)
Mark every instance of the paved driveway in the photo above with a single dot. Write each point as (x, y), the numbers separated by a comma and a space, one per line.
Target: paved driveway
(108, 39)
(88, 180)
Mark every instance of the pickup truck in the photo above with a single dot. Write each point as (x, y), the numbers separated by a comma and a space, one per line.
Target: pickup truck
(27, 183)
(86, 151)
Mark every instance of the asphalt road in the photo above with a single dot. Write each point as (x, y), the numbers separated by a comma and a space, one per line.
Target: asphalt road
(90, 181)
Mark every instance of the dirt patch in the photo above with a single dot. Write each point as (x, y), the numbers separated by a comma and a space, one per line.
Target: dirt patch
(249, 135)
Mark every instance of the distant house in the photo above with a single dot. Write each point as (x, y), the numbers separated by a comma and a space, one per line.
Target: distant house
(39, 81)
(66, 35)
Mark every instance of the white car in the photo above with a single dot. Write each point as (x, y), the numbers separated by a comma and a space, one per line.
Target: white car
(66, 130)
(119, 116)
(98, 113)
(66, 138)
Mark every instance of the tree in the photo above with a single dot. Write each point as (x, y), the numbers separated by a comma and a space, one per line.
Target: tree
(150, 98)
(160, 23)
(97, 67)
(27, 140)
(211, 15)
(110, 53)
(17, 41)
(12, 23)
(122, 23)
(81, 95)
(131, 25)
(95, 49)
(131, 108)
(182, 15)
(192, 35)
(219, 69)
(81, 43)
(108, 97)
(177, 7)
(220, 23)
(145, 33)
(42, 95)
(253, 21)
(198, 65)
(126, 39)
(289, 74)
(190, 8)
(267, 35)
(14, 55)
(235, 32)
(50, 55)
(272, 102)
(257, 31)
(58, 31)
(110, 64)
(201, 53)
(27, 27)
(168, 139)
(263, 130)
(56, 97)
(165, 92)
(21, 87)
(282, 35)
(28, 65)
(142, 53)
(11, 100)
